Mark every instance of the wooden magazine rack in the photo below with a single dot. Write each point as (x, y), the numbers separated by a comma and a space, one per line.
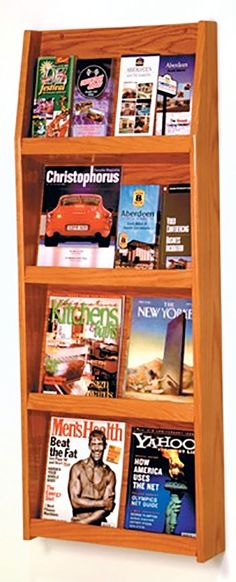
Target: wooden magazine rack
(150, 160)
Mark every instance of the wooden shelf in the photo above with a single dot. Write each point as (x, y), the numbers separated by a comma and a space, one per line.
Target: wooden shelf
(112, 278)
(117, 536)
(118, 408)
(94, 146)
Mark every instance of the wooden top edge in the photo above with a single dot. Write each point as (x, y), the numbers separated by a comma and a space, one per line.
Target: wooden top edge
(119, 28)
(136, 27)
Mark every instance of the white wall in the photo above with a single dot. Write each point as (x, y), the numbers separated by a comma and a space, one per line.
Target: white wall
(55, 561)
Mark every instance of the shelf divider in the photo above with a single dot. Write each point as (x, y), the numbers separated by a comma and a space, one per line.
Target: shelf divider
(112, 279)
(124, 145)
(180, 410)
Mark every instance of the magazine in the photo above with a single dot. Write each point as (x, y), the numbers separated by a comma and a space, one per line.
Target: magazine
(174, 95)
(92, 97)
(137, 227)
(160, 354)
(137, 95)
(79, 216)
(84, 471)
(175, 227)
(82, 345)
(161, 489)
(52, 97)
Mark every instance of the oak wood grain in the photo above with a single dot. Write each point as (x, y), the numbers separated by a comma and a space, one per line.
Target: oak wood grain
(115, 537)
(30, 51)
(120, 408)
(128, 146)
(112, 279)
(113, 42)
(206, 301)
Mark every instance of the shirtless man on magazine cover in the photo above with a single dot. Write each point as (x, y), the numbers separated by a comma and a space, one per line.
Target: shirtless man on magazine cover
(91, 486)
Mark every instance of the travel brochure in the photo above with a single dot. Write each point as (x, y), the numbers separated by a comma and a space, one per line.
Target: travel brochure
(75, 97)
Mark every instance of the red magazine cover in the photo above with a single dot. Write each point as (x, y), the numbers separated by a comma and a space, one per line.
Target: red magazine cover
(79, 216)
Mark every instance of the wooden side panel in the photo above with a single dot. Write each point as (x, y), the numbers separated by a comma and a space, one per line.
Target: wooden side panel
(206, 302)
(31, 49)
(113, 42)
